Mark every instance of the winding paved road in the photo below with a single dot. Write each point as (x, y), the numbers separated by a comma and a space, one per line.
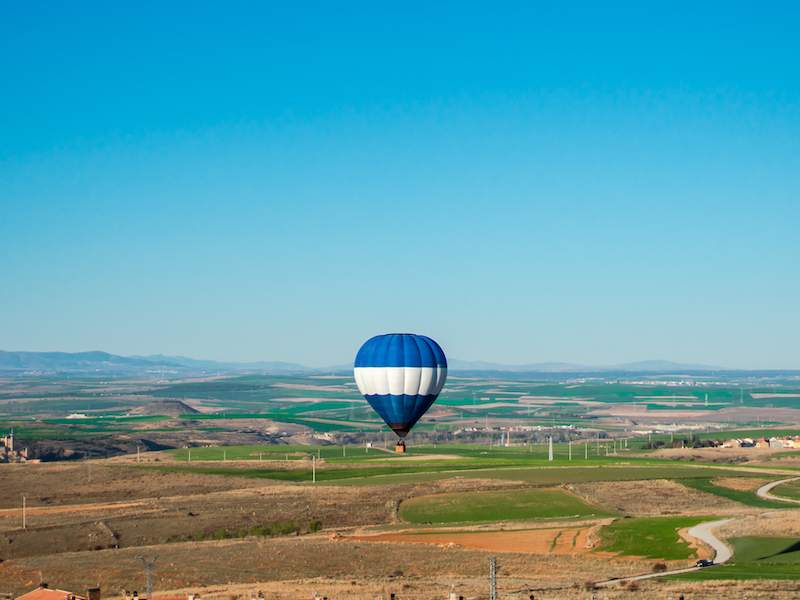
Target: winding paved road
(764, 491)
(703, 532)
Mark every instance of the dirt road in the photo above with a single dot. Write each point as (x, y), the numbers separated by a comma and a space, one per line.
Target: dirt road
(704, 533)
(764, 491)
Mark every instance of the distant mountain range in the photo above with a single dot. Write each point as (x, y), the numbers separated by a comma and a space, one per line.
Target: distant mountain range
(105, 363)
(561, 367)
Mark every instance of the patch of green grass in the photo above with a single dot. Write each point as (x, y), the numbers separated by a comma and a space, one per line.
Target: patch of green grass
(649, 537)
(757, 558)
(475, 507)
(741, 496)
(788, 490)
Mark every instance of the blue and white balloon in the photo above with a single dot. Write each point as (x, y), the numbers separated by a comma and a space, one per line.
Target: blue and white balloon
(400, 375)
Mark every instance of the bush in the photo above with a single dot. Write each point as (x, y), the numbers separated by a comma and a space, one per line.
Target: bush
(314, 526)
(659, 567)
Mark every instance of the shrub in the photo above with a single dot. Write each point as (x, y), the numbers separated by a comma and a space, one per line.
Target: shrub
(659, 567)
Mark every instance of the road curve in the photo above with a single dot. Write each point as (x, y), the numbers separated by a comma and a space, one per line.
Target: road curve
(702, 532)
(764, 491)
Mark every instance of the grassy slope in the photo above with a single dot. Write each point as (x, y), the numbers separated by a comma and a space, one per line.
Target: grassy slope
(650, 537)
(757, 558)
(747, 498)
(788, 490)
(364, 472)
(495, 506)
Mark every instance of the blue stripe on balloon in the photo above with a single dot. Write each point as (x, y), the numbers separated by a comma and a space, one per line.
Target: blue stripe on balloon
(400, 411)
(400, 350)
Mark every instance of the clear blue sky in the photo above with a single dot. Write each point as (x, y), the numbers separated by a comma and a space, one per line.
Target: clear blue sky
(523, 182)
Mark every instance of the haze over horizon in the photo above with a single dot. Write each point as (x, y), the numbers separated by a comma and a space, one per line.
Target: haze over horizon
(588, 184)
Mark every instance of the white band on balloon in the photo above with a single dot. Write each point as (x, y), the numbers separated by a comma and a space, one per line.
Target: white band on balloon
(400, 380)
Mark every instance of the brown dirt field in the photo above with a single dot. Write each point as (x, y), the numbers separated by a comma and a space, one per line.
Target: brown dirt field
(655, 497)
(101, 481)
(475, 588)
(169, 507)
(743, 484)
(557, 540)
(56, 510)
(251, 560)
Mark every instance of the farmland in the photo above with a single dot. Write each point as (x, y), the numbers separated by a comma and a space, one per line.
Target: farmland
(95, 417)
(758, 558)
(651, 537)
(298, 477)
(477, 507)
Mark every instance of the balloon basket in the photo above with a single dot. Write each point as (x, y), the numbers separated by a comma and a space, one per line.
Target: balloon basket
(400, 448)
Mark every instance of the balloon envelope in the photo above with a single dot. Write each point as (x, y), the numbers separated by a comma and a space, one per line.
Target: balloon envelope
(400, 375)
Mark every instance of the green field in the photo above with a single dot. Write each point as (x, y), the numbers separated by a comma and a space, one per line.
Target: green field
(757, 558)
(747, 498)
(475, 507)
(650, 537)
(360, 467)
(788, 490)
(334, 404)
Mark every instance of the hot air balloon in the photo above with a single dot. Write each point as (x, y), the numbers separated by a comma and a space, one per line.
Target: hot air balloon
(400, 375)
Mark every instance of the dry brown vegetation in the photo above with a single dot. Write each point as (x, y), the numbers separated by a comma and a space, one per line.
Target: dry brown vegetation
(721, 455)
(81, 512)
(743, 484)
(651, 498)
(779, 523)
(278, 559)
(126, 506)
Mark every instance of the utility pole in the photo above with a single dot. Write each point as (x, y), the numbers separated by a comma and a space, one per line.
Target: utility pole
(569, 447)
(189, 455)
(313, 469)
(149, 565)
(224, 455)
(138, 457)
(492, 578)
(586, 451)
(550, 449)
(24, 513)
